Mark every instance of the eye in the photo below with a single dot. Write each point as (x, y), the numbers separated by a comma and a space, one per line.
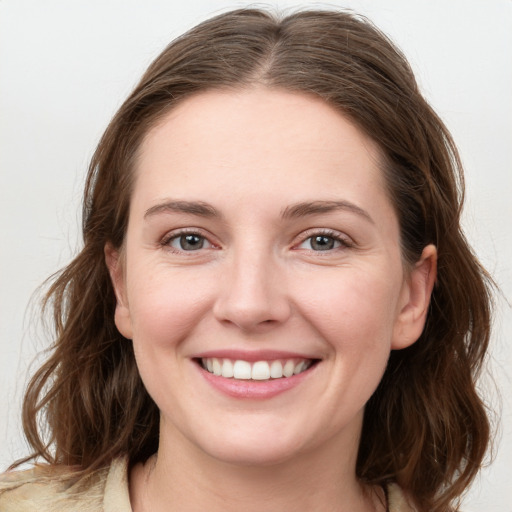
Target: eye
(187, 242)
(320, 243)
(327, 241)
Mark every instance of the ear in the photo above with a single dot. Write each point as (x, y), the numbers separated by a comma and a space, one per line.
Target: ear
(415, 300)
(122, 318)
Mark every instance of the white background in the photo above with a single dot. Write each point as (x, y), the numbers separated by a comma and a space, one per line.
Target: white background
(66, 66)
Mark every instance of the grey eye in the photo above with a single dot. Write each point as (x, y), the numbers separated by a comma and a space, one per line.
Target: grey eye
(321, 243)
(188, 242)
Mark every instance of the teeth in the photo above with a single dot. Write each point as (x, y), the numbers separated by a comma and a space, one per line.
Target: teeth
(260, 370)
(217, 367)
(242, 370)
(227, 368)
(276, 370)
(299, 368)
(288, 368)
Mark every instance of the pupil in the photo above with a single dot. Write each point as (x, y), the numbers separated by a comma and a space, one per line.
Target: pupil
(322, 243)
(191, 242)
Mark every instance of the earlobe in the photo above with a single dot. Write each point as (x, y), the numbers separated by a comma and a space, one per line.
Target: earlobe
(113, 260)
(415, 300)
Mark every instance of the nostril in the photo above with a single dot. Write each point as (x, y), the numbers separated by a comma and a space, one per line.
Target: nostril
(250, 301)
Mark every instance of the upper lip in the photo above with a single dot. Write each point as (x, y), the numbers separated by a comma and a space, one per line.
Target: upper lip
(251, 355)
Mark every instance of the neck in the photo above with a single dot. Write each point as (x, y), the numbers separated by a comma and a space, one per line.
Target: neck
(181, 477)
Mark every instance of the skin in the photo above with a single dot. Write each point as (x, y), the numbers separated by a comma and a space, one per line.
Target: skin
(258, 284)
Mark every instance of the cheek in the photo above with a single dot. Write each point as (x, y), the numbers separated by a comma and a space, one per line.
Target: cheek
(165, 309)
(353, 302)
(355, 314)
(166, 306)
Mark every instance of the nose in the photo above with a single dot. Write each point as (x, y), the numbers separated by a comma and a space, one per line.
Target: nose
(253, 293)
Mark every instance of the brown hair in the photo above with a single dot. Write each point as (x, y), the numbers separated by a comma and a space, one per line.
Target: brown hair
(425, 427)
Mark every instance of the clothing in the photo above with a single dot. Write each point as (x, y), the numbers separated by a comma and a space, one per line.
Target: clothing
(40, 490)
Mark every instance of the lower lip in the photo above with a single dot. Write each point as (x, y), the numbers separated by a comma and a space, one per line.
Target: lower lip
(255, 389)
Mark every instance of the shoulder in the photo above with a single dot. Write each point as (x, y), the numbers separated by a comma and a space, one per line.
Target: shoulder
(397, 500)
(47, 489)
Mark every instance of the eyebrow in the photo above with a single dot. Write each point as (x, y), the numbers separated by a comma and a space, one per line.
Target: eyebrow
(304, 209)
(199, 208)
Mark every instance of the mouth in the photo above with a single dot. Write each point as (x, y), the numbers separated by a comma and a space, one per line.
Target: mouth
(264, 370)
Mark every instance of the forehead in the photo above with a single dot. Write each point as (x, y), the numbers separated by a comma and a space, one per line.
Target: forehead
(293, 117)
(257, 140)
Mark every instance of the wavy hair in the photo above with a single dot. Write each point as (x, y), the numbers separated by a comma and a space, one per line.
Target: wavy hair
(425, 427)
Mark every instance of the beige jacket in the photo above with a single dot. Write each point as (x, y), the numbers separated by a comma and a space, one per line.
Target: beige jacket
(105, 491)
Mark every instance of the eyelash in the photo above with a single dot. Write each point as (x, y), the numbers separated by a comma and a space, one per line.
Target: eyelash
(176, 235)
(343, 241)
(338, 238)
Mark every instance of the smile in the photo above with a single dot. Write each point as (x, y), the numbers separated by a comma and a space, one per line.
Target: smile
(259, 370)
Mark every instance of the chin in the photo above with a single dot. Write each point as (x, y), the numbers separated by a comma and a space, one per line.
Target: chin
(251, 445)
(261, 454)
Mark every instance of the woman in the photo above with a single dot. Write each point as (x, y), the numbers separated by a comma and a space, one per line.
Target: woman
(275, 305)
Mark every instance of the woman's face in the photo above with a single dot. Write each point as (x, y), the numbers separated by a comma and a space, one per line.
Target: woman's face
(261, 278)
